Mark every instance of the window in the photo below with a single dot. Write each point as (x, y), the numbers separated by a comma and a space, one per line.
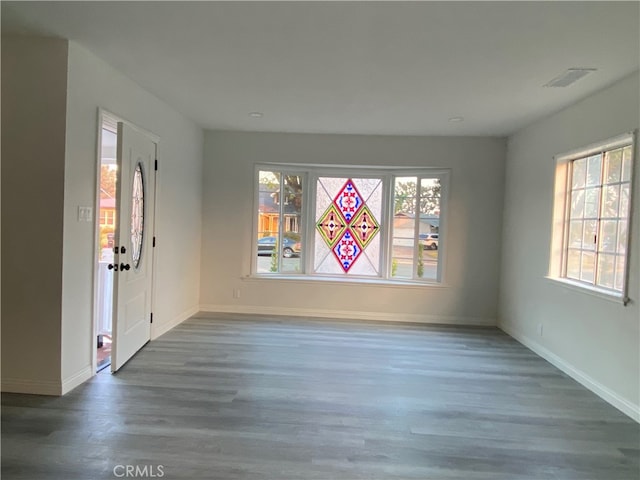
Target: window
(107, 217)
(280, 201)
(593, 198)
(357, 224)
(416, 221)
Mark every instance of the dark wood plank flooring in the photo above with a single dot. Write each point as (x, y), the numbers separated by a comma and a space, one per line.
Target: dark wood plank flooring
(261, 398)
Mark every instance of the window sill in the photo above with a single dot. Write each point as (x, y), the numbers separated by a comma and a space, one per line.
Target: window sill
(311, 280)
(589, 290)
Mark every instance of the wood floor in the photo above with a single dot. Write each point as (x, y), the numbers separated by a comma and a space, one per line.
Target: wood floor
(239, 398)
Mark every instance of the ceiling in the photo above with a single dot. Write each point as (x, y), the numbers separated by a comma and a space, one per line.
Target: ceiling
(399, 68)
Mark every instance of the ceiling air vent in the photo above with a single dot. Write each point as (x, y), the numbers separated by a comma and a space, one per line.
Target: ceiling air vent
(570, 76)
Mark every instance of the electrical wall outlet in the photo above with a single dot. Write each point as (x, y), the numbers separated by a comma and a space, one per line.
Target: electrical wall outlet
(540, 328)
(236, 293)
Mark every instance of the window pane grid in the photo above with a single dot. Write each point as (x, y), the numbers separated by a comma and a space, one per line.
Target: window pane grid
(597, 212)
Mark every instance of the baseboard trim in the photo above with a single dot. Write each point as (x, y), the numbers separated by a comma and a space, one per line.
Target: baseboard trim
(158, 330)
(77, 379)
(349, 315)
(33, 387)
(608, 395)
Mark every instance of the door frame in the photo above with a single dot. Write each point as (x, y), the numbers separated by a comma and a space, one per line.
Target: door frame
(106, 116)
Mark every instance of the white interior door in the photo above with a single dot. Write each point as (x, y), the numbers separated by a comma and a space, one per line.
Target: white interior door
(133, 260)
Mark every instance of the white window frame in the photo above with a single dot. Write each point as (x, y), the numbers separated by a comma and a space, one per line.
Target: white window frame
(310, 174)
(289, 170)
(442, 175)
(561, 217)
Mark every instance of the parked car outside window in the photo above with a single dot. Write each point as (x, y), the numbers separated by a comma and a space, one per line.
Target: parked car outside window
(429, 240)
(290, 247)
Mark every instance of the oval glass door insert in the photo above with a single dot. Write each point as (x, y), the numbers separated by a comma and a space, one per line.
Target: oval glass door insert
(137, 215)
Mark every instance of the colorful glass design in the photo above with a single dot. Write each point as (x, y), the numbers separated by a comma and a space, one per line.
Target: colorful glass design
(347, 251)
(364, 227)
(331, 225)
(348, 226)
(348, 200)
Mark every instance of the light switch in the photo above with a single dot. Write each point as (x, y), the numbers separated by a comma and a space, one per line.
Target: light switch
(85, 214)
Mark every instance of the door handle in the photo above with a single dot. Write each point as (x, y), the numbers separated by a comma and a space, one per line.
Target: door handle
(124, 266)
(113, 267)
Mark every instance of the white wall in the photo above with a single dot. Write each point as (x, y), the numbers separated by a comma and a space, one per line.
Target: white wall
(34, 89)
(475, 211)
(595, 340)
(93, 84)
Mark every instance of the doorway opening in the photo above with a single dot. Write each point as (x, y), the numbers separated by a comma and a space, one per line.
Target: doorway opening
(107, 212)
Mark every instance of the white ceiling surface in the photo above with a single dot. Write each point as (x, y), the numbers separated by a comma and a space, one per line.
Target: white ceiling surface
(342, 67)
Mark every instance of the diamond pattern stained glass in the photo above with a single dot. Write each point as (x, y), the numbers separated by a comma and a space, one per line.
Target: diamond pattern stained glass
(348, 200)
(331, 225)
(347, 251)
(364, 227)
(348, 225)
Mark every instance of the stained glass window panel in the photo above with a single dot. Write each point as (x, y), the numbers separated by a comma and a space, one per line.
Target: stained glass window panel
(374, 201)
(364, 267)
(323, 200)
(331, 225)
(327, 264)
(330, 185)
(347, 224)
(321, 253)
(367, 186)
